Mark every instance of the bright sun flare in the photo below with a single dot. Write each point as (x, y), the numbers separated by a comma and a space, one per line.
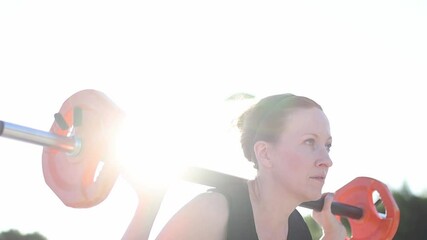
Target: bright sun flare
(142, 161)
(153, 152)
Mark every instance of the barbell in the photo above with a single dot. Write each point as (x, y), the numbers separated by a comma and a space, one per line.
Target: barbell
(79, 166)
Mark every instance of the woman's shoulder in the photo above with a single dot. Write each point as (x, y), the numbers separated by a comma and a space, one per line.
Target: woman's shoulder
(204, 217)
(210, 202)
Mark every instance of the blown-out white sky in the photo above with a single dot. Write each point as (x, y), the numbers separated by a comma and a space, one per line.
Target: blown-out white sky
(170, 64)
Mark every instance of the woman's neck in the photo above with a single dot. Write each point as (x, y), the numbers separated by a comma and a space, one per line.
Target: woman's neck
(271, 208)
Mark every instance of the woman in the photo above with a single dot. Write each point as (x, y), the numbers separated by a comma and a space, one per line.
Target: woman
(287, 138)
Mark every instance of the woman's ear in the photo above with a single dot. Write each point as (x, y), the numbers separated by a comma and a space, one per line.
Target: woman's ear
(261, 149)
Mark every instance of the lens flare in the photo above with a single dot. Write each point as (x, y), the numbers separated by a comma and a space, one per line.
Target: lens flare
(145, 161)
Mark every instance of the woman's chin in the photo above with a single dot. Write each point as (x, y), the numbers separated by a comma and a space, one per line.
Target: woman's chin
(314, 196)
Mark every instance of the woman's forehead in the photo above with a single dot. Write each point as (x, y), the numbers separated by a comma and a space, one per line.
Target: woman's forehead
(307, 120)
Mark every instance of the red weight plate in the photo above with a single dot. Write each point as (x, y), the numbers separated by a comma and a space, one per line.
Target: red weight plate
(372, 225)
(74, 177)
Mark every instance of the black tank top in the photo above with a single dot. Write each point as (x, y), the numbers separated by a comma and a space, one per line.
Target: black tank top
(241, 224)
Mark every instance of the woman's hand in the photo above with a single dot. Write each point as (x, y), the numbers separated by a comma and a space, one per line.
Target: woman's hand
(333, 229)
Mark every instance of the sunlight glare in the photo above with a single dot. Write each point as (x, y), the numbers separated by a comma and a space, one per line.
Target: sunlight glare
(142, 160)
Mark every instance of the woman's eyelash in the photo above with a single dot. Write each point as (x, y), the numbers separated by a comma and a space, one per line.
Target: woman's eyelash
(311, 142)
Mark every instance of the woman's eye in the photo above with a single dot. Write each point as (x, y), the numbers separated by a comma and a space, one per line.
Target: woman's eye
(328, 146)
(309, 142)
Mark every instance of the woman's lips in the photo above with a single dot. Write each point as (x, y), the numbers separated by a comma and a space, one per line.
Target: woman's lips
(320, 178)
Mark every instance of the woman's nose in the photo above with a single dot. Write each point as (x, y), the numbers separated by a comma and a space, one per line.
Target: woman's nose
(324, 158)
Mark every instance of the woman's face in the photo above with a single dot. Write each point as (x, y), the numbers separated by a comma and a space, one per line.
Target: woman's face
(300, 157)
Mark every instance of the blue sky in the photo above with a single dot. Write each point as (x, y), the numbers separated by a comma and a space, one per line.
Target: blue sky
(363, 61)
